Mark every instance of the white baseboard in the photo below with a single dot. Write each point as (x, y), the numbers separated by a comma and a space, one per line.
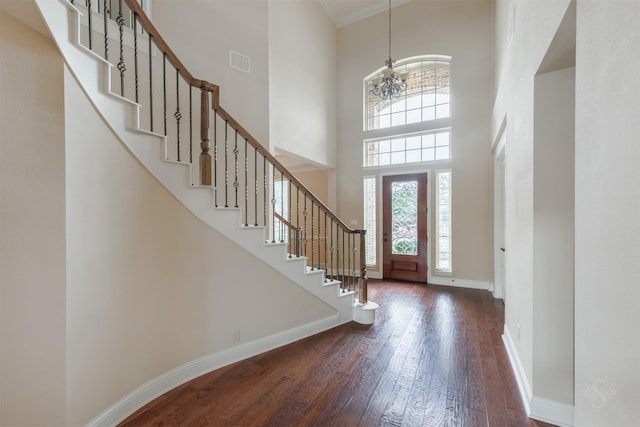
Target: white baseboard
(537, 408)
(459, 283)
(156, 387)
(552, 412)
(518, 370)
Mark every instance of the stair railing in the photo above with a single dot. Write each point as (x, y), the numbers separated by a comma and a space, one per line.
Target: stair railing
(241, 172)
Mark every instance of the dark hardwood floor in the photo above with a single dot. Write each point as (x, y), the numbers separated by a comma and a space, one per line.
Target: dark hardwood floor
(434, 357)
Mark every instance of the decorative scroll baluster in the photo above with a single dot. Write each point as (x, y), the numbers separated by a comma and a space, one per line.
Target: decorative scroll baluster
(135, 53)
(298, 251)
(264, 192)
(246, 183)
(282, 224)
(255, 176)
(226, 164)
(236, 184)
(291, 246)
(121, 65)
(353, 266)
(331, 248)
(319, 239)
(312, 237)
(343, 260)
(215, 159)
(105, 12)
(304, 234)
(178, 115)
(205, 145)
(326, 237)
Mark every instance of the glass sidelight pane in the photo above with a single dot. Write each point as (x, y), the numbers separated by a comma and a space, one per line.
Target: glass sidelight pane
(404, 218)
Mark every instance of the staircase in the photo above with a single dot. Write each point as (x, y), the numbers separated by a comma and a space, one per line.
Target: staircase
(234, 191)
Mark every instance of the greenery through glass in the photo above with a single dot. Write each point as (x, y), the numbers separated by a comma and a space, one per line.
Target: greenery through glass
(404, 218)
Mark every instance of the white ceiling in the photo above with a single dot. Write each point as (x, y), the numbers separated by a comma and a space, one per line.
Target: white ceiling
(345, 12)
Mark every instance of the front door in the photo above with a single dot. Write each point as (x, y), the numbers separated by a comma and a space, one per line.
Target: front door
(404, 232)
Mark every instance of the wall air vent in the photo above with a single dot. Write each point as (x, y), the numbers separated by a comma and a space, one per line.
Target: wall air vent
(239, 61)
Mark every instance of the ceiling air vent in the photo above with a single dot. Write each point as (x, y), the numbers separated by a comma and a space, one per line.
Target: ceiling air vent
(239, 61)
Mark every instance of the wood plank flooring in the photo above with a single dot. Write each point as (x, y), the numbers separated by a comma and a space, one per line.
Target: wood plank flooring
(434, 357)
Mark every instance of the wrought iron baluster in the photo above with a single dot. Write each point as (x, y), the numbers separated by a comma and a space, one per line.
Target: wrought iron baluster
(264, 189)
(246, 183)
(326, 238)
(90, 13)
(164, 90)
(273, 203)
(190, 124)
(342, 263)
(226, 164)
(255, 177)
(304, 215)
(150, 85)
(236, 184)
(298, 251)
(135, 53)
(282, 224)
(291, 237)
(312, 237)
(351, 271)
(353, 266)
(178, 115)
(121, 65)
(105, 12)
(319, 238)
(331, 248)
(215, 159)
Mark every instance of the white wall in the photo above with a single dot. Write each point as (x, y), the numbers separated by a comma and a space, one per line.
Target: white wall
(462, 30)
(607, 205)
(32, 228)
(535, 26)
(302, 81)
(150, 287)
(201, 33)
(607, 213)
(553, 235)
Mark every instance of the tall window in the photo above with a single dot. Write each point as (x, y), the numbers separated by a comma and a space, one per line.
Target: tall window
(443, 236)
(426, 97)
(370, 218)
(415, 128)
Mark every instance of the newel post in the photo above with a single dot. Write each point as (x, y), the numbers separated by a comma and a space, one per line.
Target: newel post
(362, 282)
(205, 144)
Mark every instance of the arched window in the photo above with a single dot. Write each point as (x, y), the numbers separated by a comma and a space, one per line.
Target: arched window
(426, 97)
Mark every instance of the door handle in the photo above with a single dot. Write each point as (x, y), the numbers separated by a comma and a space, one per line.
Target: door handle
(502, 249)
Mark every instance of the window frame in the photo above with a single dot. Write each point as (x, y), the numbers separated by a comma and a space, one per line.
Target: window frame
(437, 269)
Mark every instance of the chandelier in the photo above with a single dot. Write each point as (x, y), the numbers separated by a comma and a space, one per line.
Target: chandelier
(392, 84)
